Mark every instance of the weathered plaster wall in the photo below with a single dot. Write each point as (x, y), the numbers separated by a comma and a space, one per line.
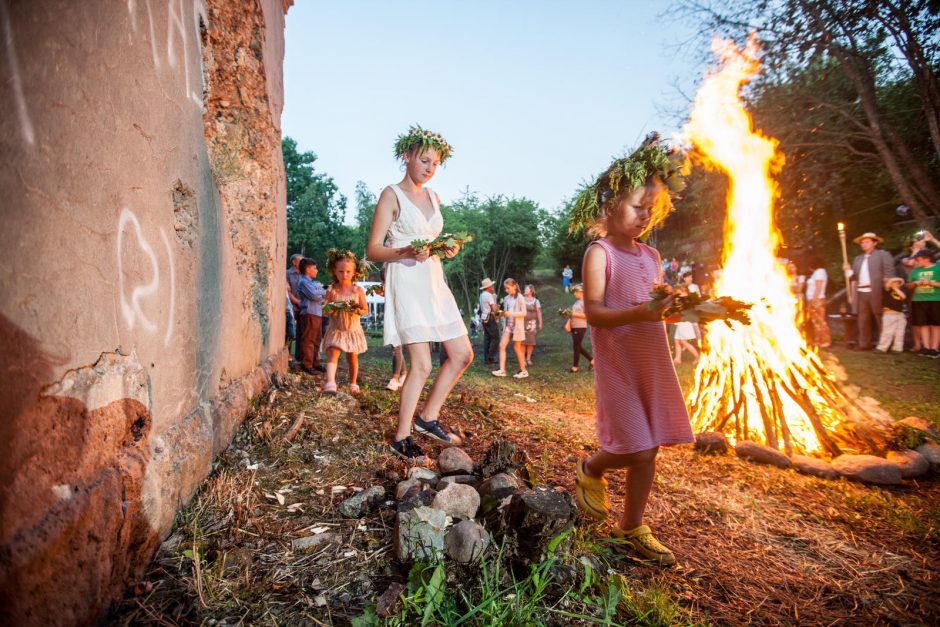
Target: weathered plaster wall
(142, 289)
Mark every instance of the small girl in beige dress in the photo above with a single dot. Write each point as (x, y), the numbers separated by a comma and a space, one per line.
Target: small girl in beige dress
(345, 334)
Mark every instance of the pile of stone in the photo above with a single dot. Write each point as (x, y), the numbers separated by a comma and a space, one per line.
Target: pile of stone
(892, 469)
(461, 509)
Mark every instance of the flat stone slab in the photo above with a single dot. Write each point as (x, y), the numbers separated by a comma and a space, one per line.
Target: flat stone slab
(868, 469)
(419, 534)
(919, 424)
(423, 474)
(356, 506)
(470, 480)
(931, 452)
(911, 463)
(713, 442)
(761, 454)
(813, 466)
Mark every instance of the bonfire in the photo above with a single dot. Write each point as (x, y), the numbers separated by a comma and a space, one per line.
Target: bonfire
(761, 382)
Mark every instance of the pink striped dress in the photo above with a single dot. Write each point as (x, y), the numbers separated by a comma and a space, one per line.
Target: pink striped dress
(638, 400)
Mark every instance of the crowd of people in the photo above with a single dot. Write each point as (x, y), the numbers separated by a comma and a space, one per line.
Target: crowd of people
(887, 294)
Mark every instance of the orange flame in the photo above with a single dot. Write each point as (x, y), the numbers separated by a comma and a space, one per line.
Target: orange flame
(760, 382)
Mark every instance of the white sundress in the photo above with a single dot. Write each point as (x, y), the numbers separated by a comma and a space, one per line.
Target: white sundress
(419, 307)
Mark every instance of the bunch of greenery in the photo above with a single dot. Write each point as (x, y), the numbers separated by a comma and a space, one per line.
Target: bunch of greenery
(376, 289)
(440, 245)
(625, 175)
(420, 140)
(694, 307)
(565, 312)
(337, 307)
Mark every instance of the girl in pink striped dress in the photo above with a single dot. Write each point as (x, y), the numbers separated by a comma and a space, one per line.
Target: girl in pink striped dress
(639, 403)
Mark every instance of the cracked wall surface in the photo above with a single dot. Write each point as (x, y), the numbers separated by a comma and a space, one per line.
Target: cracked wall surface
(143, 301)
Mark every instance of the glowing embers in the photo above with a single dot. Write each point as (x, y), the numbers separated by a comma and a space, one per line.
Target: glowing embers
(760, 382)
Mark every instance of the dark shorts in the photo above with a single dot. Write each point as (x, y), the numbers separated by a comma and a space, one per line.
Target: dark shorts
(925, 313)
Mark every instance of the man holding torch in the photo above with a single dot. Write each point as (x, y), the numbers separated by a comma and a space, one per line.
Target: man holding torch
(868, 273)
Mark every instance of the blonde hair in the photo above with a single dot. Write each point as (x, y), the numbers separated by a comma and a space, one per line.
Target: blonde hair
(662, 205)
(512, 282)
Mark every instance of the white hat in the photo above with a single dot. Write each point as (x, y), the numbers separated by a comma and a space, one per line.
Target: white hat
(485, 283)
(870, 236)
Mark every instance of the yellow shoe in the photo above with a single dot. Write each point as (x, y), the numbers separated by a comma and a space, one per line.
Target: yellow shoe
(645, 543)
(591, 493)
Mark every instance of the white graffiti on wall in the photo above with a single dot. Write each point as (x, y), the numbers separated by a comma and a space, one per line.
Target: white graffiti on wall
(26, 124)
(176, 31)
(132, 307)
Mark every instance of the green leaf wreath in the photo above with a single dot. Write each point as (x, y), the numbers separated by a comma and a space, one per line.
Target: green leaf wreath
(334, 255)
(625, 175)
(420, 140)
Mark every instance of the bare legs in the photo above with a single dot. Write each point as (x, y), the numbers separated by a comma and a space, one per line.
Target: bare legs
(332, 362)
(332, 359)
(529, 348)
(687, 345)
(520, 354)
(459, 356)
(503, 343)
(641, 467)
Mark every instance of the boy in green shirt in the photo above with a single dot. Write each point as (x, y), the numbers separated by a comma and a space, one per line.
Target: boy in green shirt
(924, 281)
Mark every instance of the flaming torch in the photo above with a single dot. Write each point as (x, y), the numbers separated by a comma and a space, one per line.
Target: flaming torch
(845, 261)
(761, 382)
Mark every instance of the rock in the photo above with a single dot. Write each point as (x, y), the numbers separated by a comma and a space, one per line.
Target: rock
(504, 456)
(536, 517)
(814, 467)
(458, 501)
(867, 468)
(500, 485)
(911, 463)
(454, 461)
(919, 424)
(466, 541)
(416, 498)
(711, 442)
(356, 506)
(762, 454)
(423, 474)
(931, 451)
(419, 534)
(302, 544)
(387, 604)
(470, 480)
(403, 487)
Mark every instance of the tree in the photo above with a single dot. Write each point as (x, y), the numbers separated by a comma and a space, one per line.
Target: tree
(506, 242)
(365, 208)
(315, 207)
(863, 38)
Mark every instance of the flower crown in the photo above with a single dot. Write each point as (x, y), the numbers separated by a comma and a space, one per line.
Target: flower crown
(422, 140)
(627, 174)
(334, 256)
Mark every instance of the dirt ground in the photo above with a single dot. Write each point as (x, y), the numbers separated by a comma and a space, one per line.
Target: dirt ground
(755, 544)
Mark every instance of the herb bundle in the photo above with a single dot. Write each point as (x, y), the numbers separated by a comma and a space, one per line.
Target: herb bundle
(440, 245)
(337, 307)
(696, 308)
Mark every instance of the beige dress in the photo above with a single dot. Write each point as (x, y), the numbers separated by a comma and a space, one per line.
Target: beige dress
(345, 331)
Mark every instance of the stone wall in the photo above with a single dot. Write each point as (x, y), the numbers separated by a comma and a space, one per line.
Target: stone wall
(142, 277)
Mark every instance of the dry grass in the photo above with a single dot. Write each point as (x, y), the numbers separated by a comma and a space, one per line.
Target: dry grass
(756, 544)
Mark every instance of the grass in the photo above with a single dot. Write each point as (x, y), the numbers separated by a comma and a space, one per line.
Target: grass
(755, 544)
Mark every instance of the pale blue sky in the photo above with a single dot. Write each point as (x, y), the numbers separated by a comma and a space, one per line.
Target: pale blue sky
(534, 95)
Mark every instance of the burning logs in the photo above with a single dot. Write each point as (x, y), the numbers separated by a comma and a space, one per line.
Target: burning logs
(761, 382)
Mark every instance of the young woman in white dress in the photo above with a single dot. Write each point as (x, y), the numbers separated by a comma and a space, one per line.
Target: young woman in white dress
(419, 307)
